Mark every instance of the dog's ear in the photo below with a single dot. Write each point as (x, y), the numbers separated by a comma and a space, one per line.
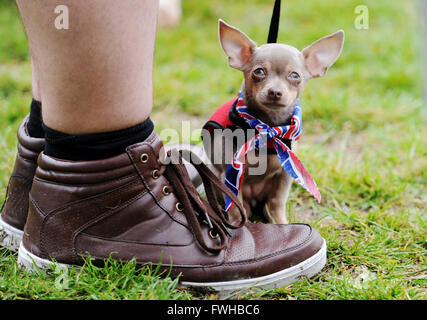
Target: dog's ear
(322, 54)
(236, 45)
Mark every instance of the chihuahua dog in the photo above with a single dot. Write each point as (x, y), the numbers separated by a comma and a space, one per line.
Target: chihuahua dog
(274, 78)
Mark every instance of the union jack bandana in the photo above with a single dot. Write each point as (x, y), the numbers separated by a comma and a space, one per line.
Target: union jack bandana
(288, 160)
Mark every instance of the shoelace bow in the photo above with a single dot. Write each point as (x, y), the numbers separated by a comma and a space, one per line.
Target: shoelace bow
(196, 209)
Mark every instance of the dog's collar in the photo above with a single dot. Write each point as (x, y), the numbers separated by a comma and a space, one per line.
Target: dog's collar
(273, 135)
(227, 117)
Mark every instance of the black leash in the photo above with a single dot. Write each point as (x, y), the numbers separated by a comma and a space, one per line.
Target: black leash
(274, 24)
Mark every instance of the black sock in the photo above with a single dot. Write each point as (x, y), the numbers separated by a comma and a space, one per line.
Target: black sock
(34, 124)
(94, 146)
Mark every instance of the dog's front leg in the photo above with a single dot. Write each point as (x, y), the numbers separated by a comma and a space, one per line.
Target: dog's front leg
(275, 206)
(235, 215)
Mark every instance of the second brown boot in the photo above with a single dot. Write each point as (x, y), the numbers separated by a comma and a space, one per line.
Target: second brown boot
(15, 207)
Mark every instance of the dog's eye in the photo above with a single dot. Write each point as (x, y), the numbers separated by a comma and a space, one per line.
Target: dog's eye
(294, 76)
(259, 72)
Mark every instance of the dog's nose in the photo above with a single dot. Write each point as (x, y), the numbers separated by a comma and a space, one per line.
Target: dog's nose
(274, 94)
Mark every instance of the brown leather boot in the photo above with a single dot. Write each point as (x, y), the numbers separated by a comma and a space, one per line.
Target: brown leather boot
(15, 207)
(134, 207)
(14, 211)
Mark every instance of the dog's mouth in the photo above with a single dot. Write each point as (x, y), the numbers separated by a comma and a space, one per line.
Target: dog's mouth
(274, 105)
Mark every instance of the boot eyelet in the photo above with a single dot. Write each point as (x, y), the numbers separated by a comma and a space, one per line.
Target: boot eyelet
(155, 174)
(213, 234)
(166, 191)
(179, 207)
(144, 158)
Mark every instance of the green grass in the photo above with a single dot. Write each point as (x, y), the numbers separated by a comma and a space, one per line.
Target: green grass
(364, 141)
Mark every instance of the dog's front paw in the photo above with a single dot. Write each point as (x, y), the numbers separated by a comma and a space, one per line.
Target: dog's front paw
(275, 216)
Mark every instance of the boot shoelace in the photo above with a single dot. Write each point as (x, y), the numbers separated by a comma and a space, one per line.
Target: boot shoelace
(196, 209)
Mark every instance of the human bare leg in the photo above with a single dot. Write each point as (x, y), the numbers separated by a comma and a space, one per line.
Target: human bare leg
(97, 75)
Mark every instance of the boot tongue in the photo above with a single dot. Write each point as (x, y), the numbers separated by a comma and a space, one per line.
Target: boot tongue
(157, 145)
(154, 141)
(30, 143)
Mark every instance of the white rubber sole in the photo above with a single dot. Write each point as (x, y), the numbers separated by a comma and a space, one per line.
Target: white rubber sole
(10, 237)
(307, 268)
(35, 264)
